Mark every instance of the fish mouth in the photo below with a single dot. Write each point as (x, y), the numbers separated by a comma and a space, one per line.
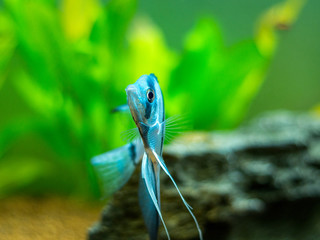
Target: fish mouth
(134, 102)
(131, 88)
(132, 94)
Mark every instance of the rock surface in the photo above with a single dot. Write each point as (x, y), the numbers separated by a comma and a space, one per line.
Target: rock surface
(261, 181)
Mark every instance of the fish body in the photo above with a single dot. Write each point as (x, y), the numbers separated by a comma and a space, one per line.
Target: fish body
(146, 104)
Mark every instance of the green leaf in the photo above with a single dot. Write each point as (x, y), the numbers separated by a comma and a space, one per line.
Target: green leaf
(211, 79)
(7, 44)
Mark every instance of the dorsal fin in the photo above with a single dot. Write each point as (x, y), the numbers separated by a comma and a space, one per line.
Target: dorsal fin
(114, 168)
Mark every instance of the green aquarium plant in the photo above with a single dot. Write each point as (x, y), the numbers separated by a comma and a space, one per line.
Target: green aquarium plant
(65, 64)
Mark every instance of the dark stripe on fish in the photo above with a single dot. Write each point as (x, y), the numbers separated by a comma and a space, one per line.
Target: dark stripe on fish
(148, 110)
(162, 108)
(150, 81)
(132, 152)
(154, 76)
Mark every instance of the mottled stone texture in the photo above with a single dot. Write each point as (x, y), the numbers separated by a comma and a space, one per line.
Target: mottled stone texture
(261, 181)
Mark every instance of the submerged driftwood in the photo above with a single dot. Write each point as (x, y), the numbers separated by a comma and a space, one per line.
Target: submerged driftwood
(261, 181)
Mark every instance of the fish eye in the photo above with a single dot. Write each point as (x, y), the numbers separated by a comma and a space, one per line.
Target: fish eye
(150, 95)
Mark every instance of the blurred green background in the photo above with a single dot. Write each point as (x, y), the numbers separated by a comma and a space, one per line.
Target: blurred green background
(292, 80)
(65, 64)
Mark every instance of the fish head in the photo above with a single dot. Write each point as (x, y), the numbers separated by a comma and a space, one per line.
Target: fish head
(145, 100)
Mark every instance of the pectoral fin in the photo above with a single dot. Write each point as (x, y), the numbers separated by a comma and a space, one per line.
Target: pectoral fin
(121, 108)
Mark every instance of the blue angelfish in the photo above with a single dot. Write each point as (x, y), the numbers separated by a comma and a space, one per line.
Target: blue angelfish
(114, 168)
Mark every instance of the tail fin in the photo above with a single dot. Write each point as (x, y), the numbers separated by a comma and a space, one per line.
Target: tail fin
(114, 168)
(149, 198)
